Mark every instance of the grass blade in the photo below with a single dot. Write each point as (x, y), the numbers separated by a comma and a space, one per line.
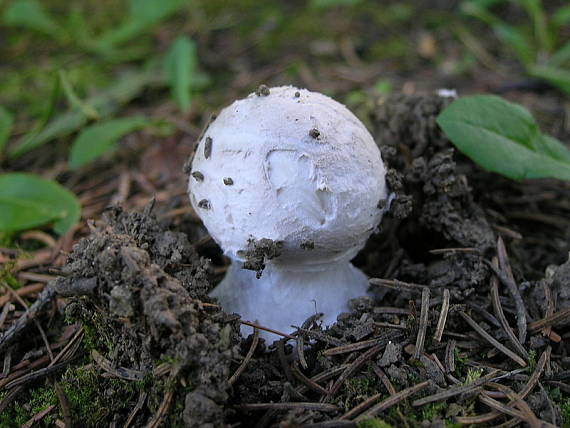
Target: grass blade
(180, 65)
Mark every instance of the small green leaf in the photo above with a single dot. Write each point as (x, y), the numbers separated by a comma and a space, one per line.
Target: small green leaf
(516, 40)
(556, 76)
(30, 14)
(480, 10)
(100, 138)
(107, 103)
(504, 138)
(28, 201)
(143, 14)
(561, 16)
(559, 57)
(6, 122)
(180, 64)
(323, 4)
(147, 13)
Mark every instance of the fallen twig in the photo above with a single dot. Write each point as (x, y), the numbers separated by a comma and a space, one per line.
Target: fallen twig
(551, 320)
(138, 407)
(38, 417)
(362, 359)
(456, 390)
(442, 316)
(322, 407)
(498, 309)
(270, 330)
(422, 329)
(248, 356)
(393, 400)
(23, 321)
(492, 340)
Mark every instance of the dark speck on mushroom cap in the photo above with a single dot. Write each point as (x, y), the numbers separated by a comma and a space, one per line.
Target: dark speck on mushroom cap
(198, 176)
(314, 133)
(262, 91)
(204, 204)
(208, 147)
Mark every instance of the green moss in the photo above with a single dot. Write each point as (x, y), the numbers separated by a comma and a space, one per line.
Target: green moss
(433, 411)
(565, 411)
(97, 333)
(459, 363)
(6, 277)
(93, 398)
(28, 404)
(374, 423)
(472, 375)
(358, 389)
(531, 360)
(562, 402)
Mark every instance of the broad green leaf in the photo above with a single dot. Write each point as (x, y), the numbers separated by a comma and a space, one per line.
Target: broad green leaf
(6, 122)
(504, 138)
(555, 148)
(28, 201)
(30, 14)
(100, 138)
(557, 76)
(107, 103)
(180, 65)
(74, 100)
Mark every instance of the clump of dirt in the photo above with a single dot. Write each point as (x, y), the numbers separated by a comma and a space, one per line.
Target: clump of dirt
(425, 172)
(140, 293)
(258, 252)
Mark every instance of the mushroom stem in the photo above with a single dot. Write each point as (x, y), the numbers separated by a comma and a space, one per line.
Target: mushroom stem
(287, 295)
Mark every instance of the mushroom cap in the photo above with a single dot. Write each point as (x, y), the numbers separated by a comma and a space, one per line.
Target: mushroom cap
(293, 166)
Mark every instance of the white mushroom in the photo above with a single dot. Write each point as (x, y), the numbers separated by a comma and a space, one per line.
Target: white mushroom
(293, 178)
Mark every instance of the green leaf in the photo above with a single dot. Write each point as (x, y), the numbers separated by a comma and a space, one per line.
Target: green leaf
(558, 77)
(143, 14)
(480, 10)
(536, 12)
(180, 64)
(107, 103)
(560, 56)
(555, 148)
(323, 4)
(6, 122)
(74, 100)
(561, 16)
(147, 13)
(504, 138)
(30, 14)
(28, 201)
(516, 40)
(100, 138)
